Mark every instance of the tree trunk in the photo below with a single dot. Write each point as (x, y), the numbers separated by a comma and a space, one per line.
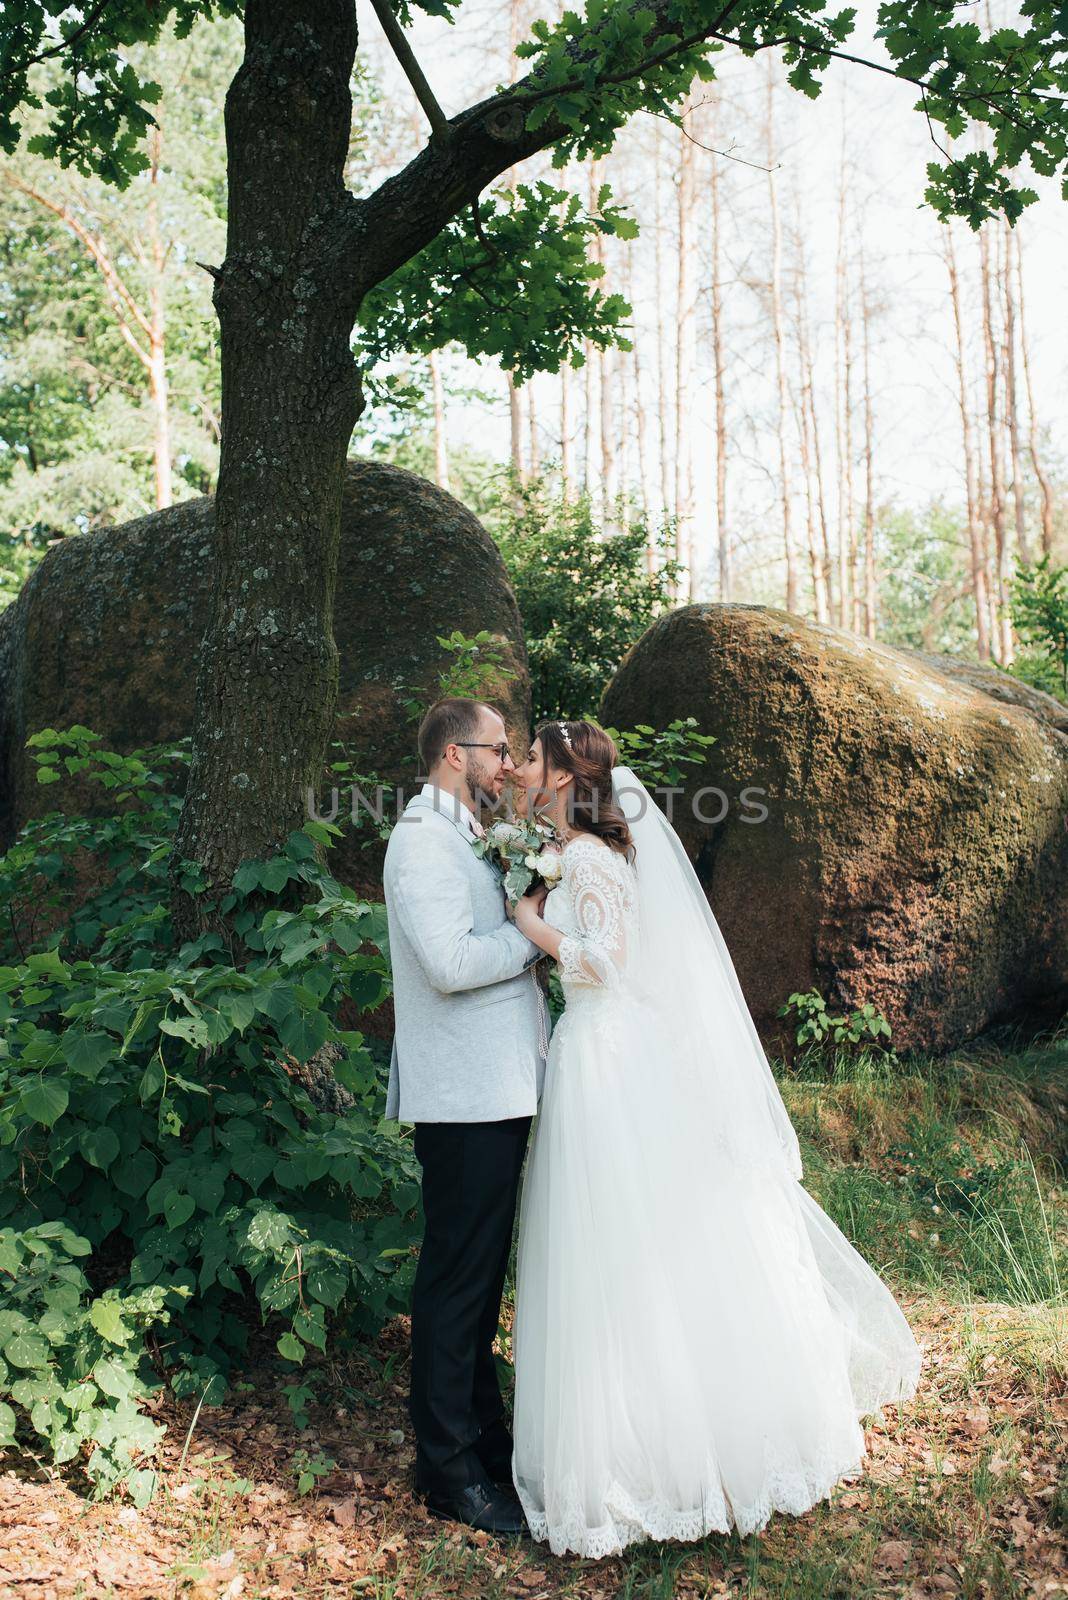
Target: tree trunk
(843, 445)
(667, 497)
(1023, 543)
(1032, 428)
(869, 460)
(567, 469)
(641, 431)
(684, 531)
(976, 543)
(441, 441)
(267, 681)
(515, 429)
(806, 420)
(158, 364)
(609, 459)
(1006, 649)
(789, 552)
(723, 549)
(591, 483)
(532, 419)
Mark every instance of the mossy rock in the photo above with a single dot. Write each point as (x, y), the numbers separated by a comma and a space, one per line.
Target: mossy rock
(915, 848)
(106, 632)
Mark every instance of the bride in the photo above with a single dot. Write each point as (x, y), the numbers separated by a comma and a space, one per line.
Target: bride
(694, 1339)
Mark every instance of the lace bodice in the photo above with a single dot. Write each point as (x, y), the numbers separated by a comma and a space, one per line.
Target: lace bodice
(595, 907)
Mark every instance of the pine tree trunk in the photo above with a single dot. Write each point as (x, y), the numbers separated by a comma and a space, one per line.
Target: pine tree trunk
(1006, 651)
(267, 681)
(639, 413)
(723, 550)
(663, 412)
(976, 543)
(593, 474)
(1023, 543)
(1032, 429)
(684, 349)
(809, 440)
(158, 363)
(789, 552)
(869, 460)
(441, 442)
(532, 419)
(567, 467)
(515, 429)
(841, 401)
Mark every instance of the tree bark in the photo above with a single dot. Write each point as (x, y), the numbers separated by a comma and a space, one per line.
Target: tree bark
(515, 429)
(719, 364)
(1006, 650)
(1023, 542)
(843, 442)
(567, 469)
(532, 420)
(267, 681)
(441, 439)
(869, 459)
(789, 551)
(806, 417)
(1032, 423)
(302, 252)
(976, 544)
(684, 350)
(667, 497)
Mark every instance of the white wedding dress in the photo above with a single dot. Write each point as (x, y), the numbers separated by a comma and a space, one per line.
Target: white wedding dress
(694, 1339)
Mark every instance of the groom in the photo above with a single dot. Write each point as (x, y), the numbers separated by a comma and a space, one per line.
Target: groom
(467, 1070)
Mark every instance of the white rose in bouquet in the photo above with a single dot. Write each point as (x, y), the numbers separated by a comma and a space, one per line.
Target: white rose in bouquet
(522, 854)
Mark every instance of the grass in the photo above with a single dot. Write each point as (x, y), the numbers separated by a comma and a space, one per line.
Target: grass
(948, 1175)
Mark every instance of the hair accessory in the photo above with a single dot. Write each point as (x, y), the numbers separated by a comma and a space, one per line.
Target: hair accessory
(566, 736)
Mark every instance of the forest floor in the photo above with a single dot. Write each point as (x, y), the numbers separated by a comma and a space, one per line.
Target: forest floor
(949, 1178)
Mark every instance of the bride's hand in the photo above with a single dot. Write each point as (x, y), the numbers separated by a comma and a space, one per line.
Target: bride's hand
(528, 912)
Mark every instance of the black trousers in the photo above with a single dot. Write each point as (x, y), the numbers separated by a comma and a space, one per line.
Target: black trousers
(470, 1183)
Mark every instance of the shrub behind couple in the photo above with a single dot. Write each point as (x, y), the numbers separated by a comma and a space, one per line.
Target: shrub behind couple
(694, 1339)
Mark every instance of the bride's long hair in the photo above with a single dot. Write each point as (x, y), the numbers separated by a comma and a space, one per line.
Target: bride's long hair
(588, 754)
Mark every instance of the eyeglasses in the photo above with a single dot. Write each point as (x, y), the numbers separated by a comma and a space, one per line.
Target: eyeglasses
(502, 751)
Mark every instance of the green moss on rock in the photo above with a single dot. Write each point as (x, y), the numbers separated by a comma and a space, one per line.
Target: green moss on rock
(915, 851)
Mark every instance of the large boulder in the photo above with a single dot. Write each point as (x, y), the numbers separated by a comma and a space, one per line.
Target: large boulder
(914, 851)
(106, 633)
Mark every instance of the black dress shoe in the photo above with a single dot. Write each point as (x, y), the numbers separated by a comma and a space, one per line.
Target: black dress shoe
(478, 1505)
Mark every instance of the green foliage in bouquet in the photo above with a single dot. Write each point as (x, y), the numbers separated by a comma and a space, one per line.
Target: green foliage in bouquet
(164, 1155)
(523, 852)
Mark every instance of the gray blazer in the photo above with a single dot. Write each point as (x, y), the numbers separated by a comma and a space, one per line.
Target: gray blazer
(470, 1015)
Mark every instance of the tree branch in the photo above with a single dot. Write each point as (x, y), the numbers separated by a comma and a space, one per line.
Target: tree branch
(64, 44)
(411, 68)
(117, 291)
(410, 209)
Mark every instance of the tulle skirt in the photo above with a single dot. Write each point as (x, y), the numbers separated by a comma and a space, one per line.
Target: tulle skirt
(694, 1339)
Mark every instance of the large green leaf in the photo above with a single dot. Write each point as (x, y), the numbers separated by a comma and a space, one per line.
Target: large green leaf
(45, 1100)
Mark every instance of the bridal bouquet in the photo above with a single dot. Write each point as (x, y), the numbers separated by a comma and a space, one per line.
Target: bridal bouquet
(524, 852)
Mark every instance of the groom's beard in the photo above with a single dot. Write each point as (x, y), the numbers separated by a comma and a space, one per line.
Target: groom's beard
(480, 786)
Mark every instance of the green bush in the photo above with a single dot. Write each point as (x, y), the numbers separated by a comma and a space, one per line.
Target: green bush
(584, 599)
(1039, 602)
(159, 1120)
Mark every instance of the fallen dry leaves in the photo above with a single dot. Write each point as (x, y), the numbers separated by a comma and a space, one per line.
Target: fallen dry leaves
(970, 1467)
